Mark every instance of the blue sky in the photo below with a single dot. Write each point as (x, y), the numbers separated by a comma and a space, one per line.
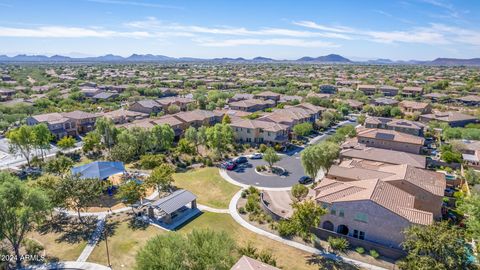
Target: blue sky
(400, 30)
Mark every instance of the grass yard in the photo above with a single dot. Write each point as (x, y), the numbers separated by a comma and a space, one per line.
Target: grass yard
(123, 245)
(211, 189)
(287, 257)
(56, 250)
(125, 242)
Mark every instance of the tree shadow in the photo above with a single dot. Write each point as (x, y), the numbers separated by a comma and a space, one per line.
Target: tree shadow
(70, 228)
(329, 264)
(137, 224)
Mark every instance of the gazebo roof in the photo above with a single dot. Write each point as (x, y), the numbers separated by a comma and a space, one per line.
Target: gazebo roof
(174, 201)
(99, 169)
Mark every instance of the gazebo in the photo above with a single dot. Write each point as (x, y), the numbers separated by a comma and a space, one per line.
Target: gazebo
(172, 210)
(99, 169)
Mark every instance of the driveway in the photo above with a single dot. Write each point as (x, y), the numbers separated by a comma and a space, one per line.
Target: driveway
(245, 173)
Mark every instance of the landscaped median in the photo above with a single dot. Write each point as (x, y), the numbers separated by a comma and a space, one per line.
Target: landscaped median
(207, 184)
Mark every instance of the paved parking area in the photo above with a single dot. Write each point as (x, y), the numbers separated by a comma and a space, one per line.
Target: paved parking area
(245, 173)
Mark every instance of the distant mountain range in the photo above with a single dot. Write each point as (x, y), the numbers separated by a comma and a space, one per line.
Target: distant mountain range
(331, 58)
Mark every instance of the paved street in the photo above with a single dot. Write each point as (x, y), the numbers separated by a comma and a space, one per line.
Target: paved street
(8, 160)
(246, 174)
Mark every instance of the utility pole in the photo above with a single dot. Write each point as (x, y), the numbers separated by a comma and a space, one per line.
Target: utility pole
(106, 241)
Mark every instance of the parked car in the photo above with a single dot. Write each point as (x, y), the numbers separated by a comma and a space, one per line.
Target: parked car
(256, 156)
(240, 160)
(305, 180)
(229, 165)
(449, 192)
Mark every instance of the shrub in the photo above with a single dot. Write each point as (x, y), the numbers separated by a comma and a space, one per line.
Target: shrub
(374, 253)
(242, 211)
(244, 194)
(149, 161)
(32, 247)
(253, 190)
(338, 243)
(286, 228)
(252, 204)
(278, 147)
(262, 148)
(360, 250)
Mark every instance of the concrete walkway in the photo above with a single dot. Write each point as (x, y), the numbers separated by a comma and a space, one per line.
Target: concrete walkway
(236, 216)
(213, 210)
(68, 265)
(92, 242)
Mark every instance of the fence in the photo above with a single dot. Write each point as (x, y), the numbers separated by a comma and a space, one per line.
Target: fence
(264, 204)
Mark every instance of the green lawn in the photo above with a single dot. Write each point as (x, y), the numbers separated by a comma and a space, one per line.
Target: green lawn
(56, 249)
(123, 245)
(287, 257)
(211, 189)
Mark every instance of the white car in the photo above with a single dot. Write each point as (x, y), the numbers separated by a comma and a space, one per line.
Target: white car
(256, 156)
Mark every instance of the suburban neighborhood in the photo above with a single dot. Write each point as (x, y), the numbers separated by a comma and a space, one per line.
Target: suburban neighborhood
(213, 163)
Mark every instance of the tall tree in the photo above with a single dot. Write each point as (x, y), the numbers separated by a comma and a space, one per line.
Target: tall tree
(59, 165)
(203, 249)
(161, 177)
(66, 142)
(92, 142)
(219, 137)
(79, 193)
(271, 157)
(131, 192)
(22, 140)
(306, 214)
(319, 156)
(437, 246)
(43, 137)
(21, 207)
(191, 135)
(107, 131)
(163, 136)
(471, 207)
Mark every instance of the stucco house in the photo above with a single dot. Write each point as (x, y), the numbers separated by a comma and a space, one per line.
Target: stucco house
(390, 139)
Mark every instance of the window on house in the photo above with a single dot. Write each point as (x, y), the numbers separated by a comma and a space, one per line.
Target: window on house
(248, 130)
(355, 233)
(341, 213)
(333, 211)
(362, 217)
(361, 235)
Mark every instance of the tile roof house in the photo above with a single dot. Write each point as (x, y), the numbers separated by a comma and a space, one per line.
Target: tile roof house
(436, 97)
(452, 118)
(426, 186)
(367, 89)
(388, 90)
(122, 116)
(146, 106)
(268, 95)
(470, 100)
(382, 156)
(400, 125)
(382, 101)
(58, 124)
(257, 131)
(181, 102)
(198, 118)
(371, 210)
(292, 115)
(247, 263)
(84, 121)
(411, 107)
(412, 91)
(241, 96)
(251, 105)
(390, 139)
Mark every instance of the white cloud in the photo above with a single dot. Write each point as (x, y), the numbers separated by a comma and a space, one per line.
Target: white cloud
(67, 32)
(263, 42)
(313, 25)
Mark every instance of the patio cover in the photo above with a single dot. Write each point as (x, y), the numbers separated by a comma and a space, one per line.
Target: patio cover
(99, 169)
(174, 201)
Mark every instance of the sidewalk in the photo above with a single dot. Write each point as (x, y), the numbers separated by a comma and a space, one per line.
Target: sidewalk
(68, 265)
(92, 242)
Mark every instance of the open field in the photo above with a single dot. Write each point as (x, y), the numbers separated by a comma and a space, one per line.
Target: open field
(210, 188)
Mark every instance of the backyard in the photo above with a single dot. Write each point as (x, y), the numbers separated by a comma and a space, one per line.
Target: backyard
(211, 189)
